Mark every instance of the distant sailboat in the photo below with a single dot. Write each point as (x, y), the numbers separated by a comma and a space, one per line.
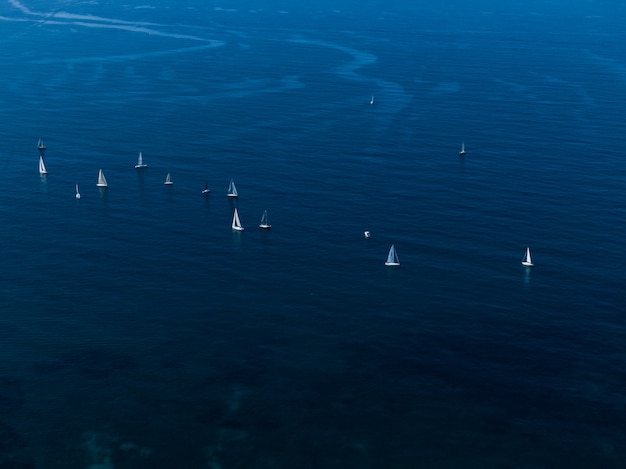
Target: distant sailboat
(372, 100)
(232, 190)
(206, 189)
(527, 261)
(392, 257)
(168, 180)
(462, 152)
(140, 164)
(265, 221)
(42, 166)
(236, 225)
(367, 234)
(41, 147)
(77, 193)
(102, 182)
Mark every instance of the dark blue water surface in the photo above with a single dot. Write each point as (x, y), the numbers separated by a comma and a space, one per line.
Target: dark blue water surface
(139, 331)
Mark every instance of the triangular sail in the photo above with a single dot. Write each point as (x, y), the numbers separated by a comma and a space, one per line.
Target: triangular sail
(40, 146)
(265, 221)
(140, 164)
(42, 166)
(168, 180)
(236, 225)
(392, 257)
(102, 182)
(527, 261)
(77, 193)
(232, 190)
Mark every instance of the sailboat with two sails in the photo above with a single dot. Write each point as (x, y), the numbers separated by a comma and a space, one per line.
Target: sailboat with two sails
(527, 261)
(236, 224)
(102, 181)
(232, 190)
(392, 257)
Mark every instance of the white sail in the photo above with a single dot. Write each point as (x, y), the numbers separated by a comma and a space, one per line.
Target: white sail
(392, 257)
(140, 164)
(77, 193)
(168, 180)
(265, 221)
(206, 189)
(42, 166)
(462, 152)
(102, 182)
(527, 261)
(232, 190)
(40, 144)
(372, 100)
(236, 225)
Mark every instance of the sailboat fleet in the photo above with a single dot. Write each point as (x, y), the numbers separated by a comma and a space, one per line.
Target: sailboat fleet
(392, 256)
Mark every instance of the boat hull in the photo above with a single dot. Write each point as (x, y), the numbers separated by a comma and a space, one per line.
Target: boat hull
(392, 263)
(265, 227)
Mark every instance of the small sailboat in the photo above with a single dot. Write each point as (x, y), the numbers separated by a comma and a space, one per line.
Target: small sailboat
(40, 146)
(527, 261)
(102, 182)
(265, 221)
(392, 257)
(42, 166)
(232, 190)
(168, 180)
(236, 225)
(372, 100)
(206, 189)
(462, 152)
(77, 193)
(140, 164)
(367, 234)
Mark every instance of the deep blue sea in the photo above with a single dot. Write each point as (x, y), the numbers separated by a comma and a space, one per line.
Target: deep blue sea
(138, 330)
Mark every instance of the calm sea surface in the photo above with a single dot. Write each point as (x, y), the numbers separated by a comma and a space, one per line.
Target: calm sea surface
(137, 330)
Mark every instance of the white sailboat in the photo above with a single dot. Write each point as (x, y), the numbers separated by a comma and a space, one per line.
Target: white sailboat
(392, 257)
(42, 166)
(372, 100)
(462, 152)
(236, 225)
(206, 189)
(265, 221)
(77, 193)
(527, 261)
(102, 182)
(232, 190)
(140, 164)
(40, 145)
(367, 234)
(168, 180)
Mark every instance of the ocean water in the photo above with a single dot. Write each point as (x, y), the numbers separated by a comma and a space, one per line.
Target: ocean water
(139, 331)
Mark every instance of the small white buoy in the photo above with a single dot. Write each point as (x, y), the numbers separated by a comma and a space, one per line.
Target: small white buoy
(367, 234)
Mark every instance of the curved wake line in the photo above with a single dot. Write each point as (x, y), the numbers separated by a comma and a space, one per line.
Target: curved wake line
(90, 21)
